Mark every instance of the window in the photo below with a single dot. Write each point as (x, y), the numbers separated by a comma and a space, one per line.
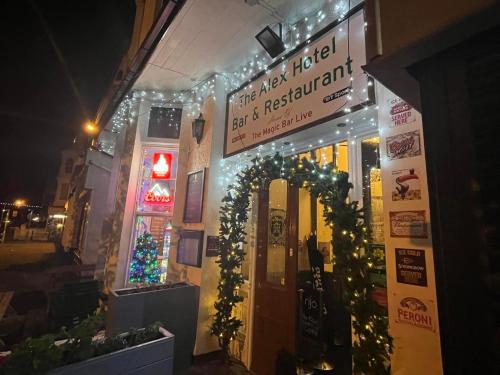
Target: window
(341, 156)
(161, 230)
(157, 192)
(311, 210)
(68, 167)
(164, 122)
(155, 202)
(63, 193)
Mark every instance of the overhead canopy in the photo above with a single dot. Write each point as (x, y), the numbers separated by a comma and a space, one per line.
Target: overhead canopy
(215, 36)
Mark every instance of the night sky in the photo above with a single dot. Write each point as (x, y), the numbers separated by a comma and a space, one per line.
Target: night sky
(39, 111)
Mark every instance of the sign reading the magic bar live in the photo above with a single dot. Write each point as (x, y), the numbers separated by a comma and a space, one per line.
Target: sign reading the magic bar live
(315, 84)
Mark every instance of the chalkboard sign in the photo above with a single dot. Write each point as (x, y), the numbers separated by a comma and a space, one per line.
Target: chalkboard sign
(310, 312)
(193, 207)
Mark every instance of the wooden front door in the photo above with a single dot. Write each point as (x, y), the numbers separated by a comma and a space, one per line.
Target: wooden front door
(275, 277)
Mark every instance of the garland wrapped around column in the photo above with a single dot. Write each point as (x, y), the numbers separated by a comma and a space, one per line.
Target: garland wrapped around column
(372, 345)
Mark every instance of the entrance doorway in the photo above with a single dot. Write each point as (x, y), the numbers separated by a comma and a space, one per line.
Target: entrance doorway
(274, 329)
(286, 218)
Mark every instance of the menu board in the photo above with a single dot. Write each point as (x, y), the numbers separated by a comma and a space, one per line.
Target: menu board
(212, 246)
(193, 207)
(190, 247)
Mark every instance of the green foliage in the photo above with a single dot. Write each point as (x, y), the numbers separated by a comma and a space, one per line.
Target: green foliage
(33, 356)
(40, 355)
(373, 345)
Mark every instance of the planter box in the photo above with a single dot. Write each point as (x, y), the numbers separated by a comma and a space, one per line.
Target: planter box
(176, 307)
(152, 358)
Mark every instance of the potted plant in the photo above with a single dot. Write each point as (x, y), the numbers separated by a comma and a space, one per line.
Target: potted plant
(140, 351)
(176, 305)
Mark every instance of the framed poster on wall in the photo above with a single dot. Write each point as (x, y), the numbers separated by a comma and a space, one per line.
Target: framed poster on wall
(190, 247)
(212, 246)
(193, 206)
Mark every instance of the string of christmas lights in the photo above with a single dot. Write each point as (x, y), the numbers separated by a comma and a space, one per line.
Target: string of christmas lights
(192, 99)
(373, 344)
(144, 267)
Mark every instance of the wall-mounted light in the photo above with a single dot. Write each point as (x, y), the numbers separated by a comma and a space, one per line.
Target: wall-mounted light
(272, 42)
(198, 125)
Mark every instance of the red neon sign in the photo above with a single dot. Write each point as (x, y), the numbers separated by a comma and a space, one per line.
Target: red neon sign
(158, 195)
(162, 164)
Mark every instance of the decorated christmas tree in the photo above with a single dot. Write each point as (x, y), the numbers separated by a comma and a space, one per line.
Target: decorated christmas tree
(144, 267)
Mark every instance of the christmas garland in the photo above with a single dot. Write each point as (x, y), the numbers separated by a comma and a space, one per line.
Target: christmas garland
(372, 345)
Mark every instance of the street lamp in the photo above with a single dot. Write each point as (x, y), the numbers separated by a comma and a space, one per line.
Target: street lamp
(20, 202)
(90, 128)
(5, 223)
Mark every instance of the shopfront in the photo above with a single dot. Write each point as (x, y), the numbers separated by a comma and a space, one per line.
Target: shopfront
(318, 104)
(155, 201)
(313, 106)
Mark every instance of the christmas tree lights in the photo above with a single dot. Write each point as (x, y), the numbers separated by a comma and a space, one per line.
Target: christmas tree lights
(372, 344)
(144, 267)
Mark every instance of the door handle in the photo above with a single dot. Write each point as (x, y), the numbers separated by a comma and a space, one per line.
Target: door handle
(291, 252)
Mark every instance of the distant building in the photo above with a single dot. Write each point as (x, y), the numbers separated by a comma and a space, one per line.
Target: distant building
(70, 158)
(85, 205)
(82, 201)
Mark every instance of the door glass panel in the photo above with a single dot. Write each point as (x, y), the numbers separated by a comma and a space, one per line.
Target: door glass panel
(251, 239)
(373, 211)
(372, 189)
(277, 232)
(324, 231)
(305, 227)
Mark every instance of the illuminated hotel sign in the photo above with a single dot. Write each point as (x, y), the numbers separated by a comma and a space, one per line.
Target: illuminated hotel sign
(317, 83)
(162, 165)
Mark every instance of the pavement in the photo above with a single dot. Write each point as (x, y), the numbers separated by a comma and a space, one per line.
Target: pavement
(22, 252)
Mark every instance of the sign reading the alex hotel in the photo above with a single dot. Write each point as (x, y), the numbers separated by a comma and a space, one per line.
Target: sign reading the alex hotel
(315, 84)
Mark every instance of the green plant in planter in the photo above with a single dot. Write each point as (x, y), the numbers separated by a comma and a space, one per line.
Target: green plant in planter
(34, 356)
(79, 345)
(40, 355)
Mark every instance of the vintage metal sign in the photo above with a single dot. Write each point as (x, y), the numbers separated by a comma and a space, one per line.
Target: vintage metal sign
(410, 224)
(401, 112)
(404, 145)
(410, 267)
(406, 184)
(416, 312)
(314, 84)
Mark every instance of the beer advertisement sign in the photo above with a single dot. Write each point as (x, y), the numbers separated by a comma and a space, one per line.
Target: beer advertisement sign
(404, 145)
(401, 112)
(410, 224)
(416, 312)
(410, 267)
(406, 184)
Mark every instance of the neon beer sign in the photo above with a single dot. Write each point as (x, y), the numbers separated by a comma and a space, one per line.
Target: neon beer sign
(162, 165)
(158, 195)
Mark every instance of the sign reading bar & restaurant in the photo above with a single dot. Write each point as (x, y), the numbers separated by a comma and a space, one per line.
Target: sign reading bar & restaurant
(315, 84)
